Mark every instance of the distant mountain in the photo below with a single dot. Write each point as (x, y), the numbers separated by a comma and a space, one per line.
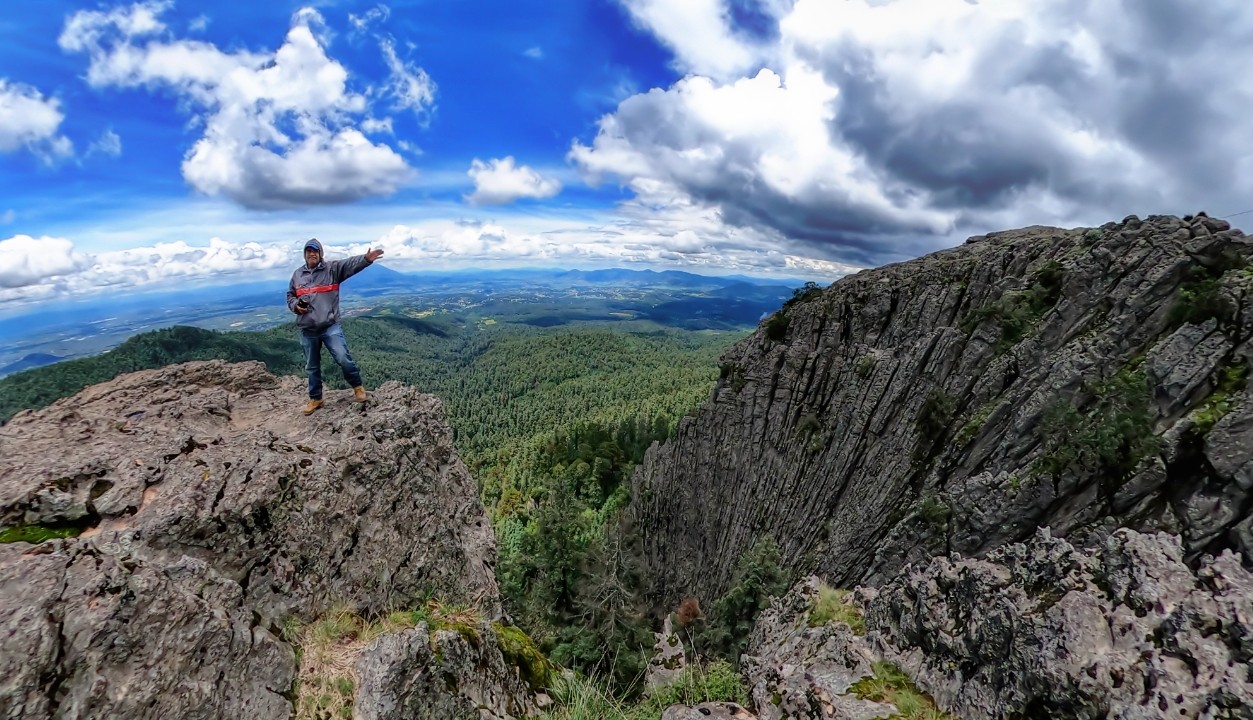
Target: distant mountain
(32, 360)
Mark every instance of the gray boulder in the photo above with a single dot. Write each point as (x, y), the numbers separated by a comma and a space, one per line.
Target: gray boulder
(482, 672)
(807, 673)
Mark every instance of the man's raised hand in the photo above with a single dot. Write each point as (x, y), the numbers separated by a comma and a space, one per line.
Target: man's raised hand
(373, 255)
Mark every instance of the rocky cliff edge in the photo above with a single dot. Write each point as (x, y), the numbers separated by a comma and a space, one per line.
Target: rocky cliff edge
(162, 527)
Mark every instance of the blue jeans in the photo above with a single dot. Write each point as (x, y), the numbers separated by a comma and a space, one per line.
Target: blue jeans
(333, 337)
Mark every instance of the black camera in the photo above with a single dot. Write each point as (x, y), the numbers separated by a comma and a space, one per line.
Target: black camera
(303, 303)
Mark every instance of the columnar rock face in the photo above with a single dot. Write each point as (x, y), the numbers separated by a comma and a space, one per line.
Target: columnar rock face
(211, 511)
(1078, 379)
(1042, 630)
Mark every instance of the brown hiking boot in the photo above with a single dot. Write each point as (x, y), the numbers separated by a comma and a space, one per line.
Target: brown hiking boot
(311, 406)
(358, 394)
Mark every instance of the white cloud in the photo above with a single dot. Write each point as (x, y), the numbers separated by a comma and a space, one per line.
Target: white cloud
(499, 181)
(535, 53)
(375, 15)
(29, 120)
(199, 24)
(376, 125)
(30, 261)
(879, 130)
(409, 86)
(699, 33)
(278, 127)
(109, 143)
(8, 216)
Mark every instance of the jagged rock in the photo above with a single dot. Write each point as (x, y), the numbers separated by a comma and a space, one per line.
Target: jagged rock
(669, 657)
(905, 411)
(806, 673)
(466, 673)
(213, 510)
(1042, 630)
(707, 710)
(97, 633)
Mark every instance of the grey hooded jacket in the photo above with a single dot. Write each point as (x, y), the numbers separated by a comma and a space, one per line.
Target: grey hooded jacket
(320, 286)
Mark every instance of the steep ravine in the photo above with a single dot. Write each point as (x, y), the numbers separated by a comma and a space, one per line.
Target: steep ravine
(1079, 379)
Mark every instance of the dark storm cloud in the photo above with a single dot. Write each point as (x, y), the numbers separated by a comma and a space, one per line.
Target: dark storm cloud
(1060, 111)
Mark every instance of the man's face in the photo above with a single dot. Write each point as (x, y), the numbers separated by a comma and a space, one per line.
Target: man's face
(312, 257)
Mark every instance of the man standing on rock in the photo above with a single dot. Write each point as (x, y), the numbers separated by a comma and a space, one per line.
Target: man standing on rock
(314, 296)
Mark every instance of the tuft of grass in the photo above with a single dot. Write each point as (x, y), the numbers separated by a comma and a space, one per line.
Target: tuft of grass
(834, 605)
(578, 698)
(1231, 381)
(890, 684)
(975, 424)
(35, 534)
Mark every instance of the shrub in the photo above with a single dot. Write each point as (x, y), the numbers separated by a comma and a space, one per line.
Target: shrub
(865, 365)
(1108, 438)
(801, 294)
(730, 620)
(1017, 313)
(777, 326)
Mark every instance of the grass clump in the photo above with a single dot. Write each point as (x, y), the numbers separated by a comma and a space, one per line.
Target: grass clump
(1233, 379)
(890, 684)
(578, 698)
(35, 534)
(975, 423)
(834, 605)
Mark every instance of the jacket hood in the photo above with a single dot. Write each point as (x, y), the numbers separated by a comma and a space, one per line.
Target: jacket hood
(313, 243)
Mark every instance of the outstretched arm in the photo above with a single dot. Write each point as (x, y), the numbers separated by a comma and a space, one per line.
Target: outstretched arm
(341, 270)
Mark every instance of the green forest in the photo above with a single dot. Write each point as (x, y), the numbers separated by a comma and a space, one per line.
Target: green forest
(551, 421)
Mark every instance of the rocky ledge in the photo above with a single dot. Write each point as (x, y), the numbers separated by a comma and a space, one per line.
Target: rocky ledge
(162, 527)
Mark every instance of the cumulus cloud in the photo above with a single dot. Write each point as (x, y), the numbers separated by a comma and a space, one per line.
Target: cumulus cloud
(29, 120)
(659, 242)
(500, 181)
(199, 24)
(278, 127)
(47, 267)
(535, 53)
(873, 130)
(31, 261)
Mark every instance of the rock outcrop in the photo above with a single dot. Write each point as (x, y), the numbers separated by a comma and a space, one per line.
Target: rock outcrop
(484, 672)
(1080, 379)
(208, 511)
(807, 673)
(1042, 630)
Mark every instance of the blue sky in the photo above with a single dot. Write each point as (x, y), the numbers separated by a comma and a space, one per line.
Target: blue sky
(154, 143)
